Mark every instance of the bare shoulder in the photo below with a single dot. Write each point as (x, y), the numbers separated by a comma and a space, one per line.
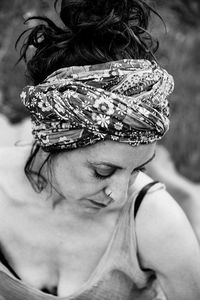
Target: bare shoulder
(12, 177)
(12, 161)
(13, 154)
(158, 203)
(163, 230)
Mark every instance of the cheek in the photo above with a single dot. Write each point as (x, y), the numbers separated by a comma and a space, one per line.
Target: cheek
(75, 182)
(84, 183)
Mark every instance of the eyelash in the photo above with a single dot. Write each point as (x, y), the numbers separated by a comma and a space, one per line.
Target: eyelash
(98, 176)
(101, 177)
(142, 169)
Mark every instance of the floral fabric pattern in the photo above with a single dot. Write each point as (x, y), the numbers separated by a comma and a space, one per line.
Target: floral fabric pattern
(123, 101)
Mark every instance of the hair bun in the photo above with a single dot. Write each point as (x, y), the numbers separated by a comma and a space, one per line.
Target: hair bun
(81, 14)
(108, 20)
(95, 31)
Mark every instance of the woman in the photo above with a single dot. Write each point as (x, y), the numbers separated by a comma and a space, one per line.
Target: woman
(82, 229)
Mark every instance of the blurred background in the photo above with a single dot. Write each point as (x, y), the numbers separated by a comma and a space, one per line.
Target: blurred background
(178, 52)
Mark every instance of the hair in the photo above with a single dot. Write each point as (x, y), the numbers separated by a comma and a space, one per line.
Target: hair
(93, 31)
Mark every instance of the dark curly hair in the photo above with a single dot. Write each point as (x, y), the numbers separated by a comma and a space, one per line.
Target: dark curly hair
(94, 31)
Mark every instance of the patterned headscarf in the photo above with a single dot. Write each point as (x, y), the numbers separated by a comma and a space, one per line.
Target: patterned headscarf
(124, 101)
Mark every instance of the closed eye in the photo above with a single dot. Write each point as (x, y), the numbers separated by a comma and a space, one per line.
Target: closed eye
(141, 169)
(102, 173)
(104, 170)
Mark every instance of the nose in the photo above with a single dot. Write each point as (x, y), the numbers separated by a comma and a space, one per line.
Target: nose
(119, 186)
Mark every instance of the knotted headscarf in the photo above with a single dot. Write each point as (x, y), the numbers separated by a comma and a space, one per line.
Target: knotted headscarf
(124, 101)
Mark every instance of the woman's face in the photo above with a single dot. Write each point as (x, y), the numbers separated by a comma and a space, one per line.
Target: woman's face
(84, 177)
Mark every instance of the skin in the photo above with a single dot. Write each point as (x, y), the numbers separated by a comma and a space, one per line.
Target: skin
(168, 245)
(184, 191)
(54, 231)
(102, 168)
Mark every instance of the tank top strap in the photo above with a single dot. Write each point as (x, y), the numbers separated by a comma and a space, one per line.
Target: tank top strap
(139, 198)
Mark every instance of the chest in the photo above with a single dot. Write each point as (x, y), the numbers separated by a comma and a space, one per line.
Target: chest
(46, 253)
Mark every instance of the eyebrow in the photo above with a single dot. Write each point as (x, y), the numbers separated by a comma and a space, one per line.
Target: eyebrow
(115, 166)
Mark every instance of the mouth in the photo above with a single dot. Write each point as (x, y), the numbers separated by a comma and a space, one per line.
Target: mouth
(97, 204)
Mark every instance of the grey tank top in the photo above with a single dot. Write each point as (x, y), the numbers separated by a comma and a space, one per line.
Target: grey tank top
(118, 275)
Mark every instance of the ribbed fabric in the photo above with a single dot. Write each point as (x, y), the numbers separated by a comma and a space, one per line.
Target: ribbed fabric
(118, 276)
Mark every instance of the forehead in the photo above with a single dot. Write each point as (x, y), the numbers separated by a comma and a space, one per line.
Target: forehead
(120, 153)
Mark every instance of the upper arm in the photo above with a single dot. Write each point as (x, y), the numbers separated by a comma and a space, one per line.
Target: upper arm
(168, 246)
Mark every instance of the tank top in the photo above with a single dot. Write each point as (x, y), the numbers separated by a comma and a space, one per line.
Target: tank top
(118, 275)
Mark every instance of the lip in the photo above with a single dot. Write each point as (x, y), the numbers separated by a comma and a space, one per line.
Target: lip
(97, 204)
